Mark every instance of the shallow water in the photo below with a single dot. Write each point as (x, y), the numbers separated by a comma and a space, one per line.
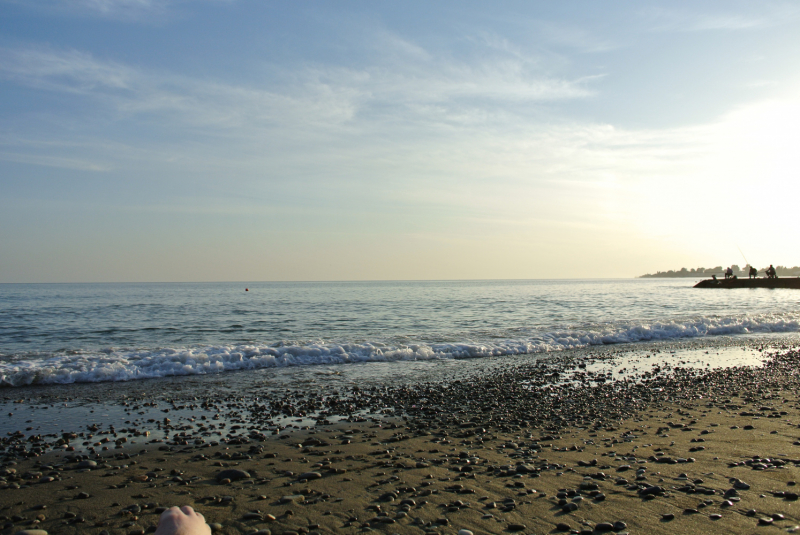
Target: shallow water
(73, 333)
(46, 409)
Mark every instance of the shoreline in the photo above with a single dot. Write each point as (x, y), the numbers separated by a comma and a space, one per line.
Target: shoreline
(489, 455)
(300, 398)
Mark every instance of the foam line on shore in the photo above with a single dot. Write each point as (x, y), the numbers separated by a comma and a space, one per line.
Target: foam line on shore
(125, 365)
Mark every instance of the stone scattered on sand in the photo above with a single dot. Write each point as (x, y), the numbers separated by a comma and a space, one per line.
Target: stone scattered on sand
(233, 475)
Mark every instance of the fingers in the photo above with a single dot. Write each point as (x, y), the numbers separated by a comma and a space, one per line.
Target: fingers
(188, 511)
(174, 510)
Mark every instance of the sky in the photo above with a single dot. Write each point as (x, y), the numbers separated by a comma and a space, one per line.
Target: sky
(253, 140)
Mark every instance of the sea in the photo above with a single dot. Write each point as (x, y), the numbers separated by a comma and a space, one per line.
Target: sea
(72, 334)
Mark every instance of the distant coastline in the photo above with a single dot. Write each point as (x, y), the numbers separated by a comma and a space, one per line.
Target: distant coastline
(719, 271)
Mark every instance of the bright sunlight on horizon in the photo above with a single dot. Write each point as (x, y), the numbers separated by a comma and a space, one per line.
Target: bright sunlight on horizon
(240, 140)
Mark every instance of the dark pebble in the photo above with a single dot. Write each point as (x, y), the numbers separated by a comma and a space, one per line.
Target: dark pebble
(233, 475)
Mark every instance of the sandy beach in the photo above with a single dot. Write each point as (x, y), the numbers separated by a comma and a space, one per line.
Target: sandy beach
(543, 448)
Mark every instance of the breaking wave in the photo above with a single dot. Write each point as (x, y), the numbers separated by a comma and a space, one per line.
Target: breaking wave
(125, 365)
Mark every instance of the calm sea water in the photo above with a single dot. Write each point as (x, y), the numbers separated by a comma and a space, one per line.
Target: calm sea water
(67, 333)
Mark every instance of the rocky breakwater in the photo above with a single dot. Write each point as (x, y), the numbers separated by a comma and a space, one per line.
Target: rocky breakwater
(786, 282)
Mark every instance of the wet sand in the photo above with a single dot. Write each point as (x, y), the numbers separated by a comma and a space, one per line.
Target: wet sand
(586, 445)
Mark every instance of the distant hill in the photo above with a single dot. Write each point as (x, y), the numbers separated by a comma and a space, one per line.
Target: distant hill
(719, 271)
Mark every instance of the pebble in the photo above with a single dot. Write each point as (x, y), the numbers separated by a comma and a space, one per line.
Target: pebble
(233, 475)
(524, 441)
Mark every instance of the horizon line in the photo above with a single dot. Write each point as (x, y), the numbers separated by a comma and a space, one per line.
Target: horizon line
(323, 280)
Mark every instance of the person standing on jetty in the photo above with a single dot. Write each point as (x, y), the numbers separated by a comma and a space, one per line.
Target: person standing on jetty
(729, 273)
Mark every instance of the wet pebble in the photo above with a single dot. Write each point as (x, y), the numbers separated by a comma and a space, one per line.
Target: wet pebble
(233, 475)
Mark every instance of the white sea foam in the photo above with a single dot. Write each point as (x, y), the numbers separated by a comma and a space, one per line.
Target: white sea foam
(126, 365)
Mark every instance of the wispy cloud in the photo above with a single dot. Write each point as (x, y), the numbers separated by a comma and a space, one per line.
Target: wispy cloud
(70, 71)
(53, 161)
(107, 7)
(694, 20)
(425, 90)
(125, 10)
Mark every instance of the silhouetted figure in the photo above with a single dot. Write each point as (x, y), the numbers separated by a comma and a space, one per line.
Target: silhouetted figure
(771, 274)
(728, 273)
(753, 273)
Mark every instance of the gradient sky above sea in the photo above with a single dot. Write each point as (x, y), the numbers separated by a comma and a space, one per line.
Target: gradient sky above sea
(194, 140)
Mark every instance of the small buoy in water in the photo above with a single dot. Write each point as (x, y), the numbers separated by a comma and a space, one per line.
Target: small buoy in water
(246, 289)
